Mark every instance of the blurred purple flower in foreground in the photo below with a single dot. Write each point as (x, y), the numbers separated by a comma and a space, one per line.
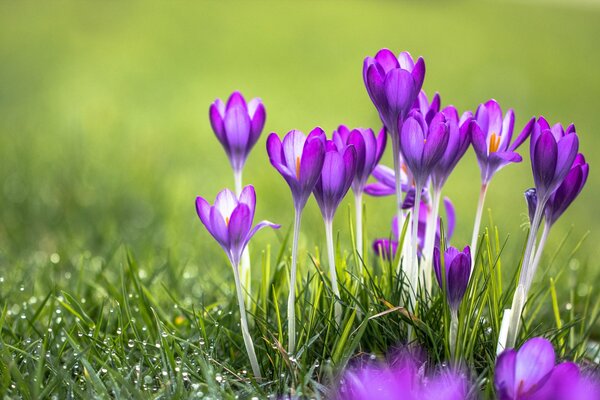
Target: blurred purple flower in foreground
(238, 126)
(404, 379)
(530, 373)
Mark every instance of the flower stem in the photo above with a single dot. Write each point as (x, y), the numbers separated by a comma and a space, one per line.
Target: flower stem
(413, 277)
(332, 271)
(244, 324)
(538, 256)
(359, 227)
(475, 238)
(246, 273)
(292, 295)
(430, 238)
(398, 181)
(453, 332)
(520, 295)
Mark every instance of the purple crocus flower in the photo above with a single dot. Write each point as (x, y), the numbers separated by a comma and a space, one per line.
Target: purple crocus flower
(530, 373)
(553, 151)
(337, 174)
(403, 378)
(569, 189)
(459, 138)
(491, 138)
(229, 220)
(393, 83)
(422, 145)
(458, 269)
(299, 159)
(238, 126)
(369, 149)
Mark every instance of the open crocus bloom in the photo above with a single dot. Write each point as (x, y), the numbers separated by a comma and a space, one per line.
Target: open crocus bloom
(299, 159)
(369, 150)
(238, 126)
(393, 83)
(530, 373)
(229, 220)
(491, 138)
(553, 151)
(337, 174)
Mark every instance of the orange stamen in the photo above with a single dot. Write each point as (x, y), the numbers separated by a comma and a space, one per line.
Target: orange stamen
(227, 221)
(494, 143)
(298, 167)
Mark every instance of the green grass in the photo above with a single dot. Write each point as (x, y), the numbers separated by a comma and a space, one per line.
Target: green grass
(105, 142)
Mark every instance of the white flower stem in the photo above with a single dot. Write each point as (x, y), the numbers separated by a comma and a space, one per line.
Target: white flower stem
(430, 238)
(359, 227)
(520, 295)
(332, 271)
(413, 277)
(453, 332)
(245, 271)
(244, 324)
(398, 181)
(292, 295)
(538, 256)
(477, 224)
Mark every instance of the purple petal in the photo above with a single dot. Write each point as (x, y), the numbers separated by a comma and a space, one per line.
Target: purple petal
(535, 361)
(236, 100)
(544, 160)
(567, 148)
(274, 149)
(218, 228)
(400, 91)
(293, 146)
(458, 277)
(258, 121)
(248, 197)
(387, 60)
(357, 140)
(405, 61)
(525, 133)
(203, 211)
(479, 141)
(216, 120)
(504, 375)
(412, 142)
(508, 125)
(418, 74)
(437, 140)
(494, 113)
(259, 226)
(378, 189)
(450, 218)
(238, 229)
(226, 202)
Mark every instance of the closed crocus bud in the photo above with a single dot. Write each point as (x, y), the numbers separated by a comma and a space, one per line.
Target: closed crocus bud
(553, 151)
(428, 108)
(337, 174)
(458, 268)
(393, 83)
(369, 149)
(491, 138)
(531, 199)
(299, 159)
(238, 126)
(422, 145)
(568, 191)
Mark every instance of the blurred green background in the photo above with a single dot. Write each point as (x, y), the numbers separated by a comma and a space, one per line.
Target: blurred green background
(105, 139)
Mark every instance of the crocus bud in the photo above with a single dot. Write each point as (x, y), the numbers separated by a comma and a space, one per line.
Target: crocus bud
(531, 199)
(553, 151)
(393, 83)
(458, 268)
(568, 191)
(238, 126)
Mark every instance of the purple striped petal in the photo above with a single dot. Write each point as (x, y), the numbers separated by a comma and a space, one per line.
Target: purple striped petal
(544, 161)
(203, 211)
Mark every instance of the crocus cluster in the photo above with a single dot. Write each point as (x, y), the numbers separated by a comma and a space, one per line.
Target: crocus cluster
(428, 142)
